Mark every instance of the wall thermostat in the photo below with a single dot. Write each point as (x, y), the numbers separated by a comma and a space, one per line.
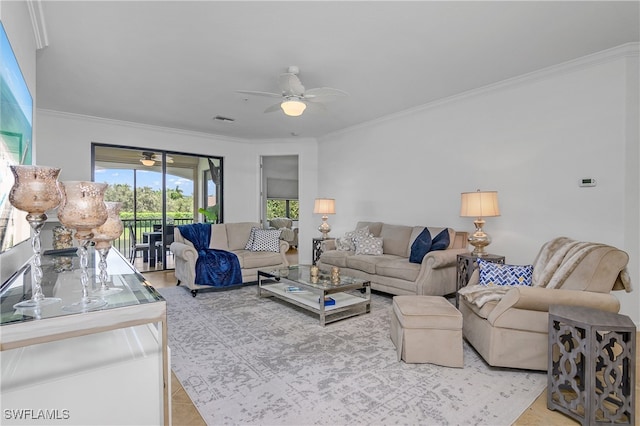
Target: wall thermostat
(587, 182)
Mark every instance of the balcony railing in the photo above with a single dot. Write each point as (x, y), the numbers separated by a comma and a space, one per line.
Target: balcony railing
(140, 226)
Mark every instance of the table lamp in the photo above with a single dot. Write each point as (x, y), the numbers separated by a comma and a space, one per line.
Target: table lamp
(324, 206)
(479, 204)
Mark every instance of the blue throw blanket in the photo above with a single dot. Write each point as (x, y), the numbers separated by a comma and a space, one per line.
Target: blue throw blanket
(218, 268)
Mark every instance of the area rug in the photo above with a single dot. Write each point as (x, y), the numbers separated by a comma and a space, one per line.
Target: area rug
(245, 360)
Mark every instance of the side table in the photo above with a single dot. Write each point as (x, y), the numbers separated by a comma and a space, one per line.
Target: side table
(467, 263)
(317, 249)
(591, 370)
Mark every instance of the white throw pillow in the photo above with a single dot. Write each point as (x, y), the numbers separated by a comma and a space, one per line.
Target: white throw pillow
(369, 245)
(266, 240)
(344, 244)
(252, 237)
(347, 243)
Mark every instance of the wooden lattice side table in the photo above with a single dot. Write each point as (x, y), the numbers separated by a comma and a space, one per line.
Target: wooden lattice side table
(466, 264)
(591, 373)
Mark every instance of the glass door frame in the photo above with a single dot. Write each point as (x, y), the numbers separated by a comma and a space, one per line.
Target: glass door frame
(197, 217)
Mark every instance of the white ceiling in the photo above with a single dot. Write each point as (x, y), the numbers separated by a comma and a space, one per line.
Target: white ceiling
(178, 64)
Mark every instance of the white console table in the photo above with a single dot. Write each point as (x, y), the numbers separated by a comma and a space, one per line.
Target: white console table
(108, 366)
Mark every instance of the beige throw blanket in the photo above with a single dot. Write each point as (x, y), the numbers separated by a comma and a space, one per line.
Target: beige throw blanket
(481, 294)
(556, 261)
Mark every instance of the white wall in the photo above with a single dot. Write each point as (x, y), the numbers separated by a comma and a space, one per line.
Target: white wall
(632, 185)
(65, 142)
(531, 139)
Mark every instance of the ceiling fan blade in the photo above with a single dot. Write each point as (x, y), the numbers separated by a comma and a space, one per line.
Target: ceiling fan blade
(158, 158)
(324, 94)
(290, 85)
(273, 108)
(315, 107)
(256, 93)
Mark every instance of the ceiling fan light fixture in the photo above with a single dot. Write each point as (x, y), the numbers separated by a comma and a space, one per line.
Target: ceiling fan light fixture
(293, 107)
(147, 162)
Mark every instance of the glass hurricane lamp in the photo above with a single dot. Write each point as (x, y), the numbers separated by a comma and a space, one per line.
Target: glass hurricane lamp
(35, 190)
(103, 237)
(83, 210)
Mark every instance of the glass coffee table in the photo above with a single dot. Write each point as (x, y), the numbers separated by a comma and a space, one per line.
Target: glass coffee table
(348, 298)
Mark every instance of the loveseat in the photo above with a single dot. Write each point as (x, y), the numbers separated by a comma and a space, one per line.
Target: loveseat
(231, 237)
(392, 272)
(508, 325)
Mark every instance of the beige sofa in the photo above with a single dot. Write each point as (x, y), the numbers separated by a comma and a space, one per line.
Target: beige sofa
(231, 237)
(513, 331)
(392, 272)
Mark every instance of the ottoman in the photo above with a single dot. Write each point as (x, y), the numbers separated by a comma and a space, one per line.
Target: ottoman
(427, 329)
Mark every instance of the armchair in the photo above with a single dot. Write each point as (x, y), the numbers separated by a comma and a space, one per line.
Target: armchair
(512, 330)
(289, 233)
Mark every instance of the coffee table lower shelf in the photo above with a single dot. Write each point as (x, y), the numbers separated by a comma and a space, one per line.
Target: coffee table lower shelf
(347, 305)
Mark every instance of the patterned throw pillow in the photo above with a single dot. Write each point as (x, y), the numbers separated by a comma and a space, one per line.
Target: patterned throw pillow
(347, 243)
(266, 240)
(369, 245)
(499, 274)
(252, 236)
(344, 244)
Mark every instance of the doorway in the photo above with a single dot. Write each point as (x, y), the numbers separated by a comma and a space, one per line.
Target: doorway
(280, 198)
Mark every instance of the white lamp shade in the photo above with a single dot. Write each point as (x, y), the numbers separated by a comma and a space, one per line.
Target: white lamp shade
(325, 206)
(293, 108)
(147, 162)
(479, 204)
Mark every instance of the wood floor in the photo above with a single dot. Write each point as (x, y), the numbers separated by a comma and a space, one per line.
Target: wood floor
(184, 412)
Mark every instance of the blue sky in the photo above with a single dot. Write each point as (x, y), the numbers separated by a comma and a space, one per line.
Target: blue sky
(144, 178)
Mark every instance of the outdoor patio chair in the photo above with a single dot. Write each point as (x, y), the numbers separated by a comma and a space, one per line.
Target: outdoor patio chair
(134, 246)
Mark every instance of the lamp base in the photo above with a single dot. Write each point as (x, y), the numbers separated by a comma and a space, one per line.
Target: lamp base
(479, 239)
(324, 227)
(478, 251)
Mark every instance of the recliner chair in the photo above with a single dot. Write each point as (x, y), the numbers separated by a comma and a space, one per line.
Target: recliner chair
(289, 233)
(513, 331)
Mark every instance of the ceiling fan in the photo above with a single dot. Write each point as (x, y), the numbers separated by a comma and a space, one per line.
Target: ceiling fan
(149, 158)
(294, 97)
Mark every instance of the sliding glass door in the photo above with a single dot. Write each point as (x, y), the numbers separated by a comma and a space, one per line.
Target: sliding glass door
(159, 190)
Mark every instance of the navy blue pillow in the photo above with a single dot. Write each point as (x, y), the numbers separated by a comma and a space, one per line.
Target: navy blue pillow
(420, 247)
(441, 241)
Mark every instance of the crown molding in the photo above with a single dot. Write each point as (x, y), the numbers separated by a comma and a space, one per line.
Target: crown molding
(131, 124)
(38, 23)
(627, 50)
(110, 121)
